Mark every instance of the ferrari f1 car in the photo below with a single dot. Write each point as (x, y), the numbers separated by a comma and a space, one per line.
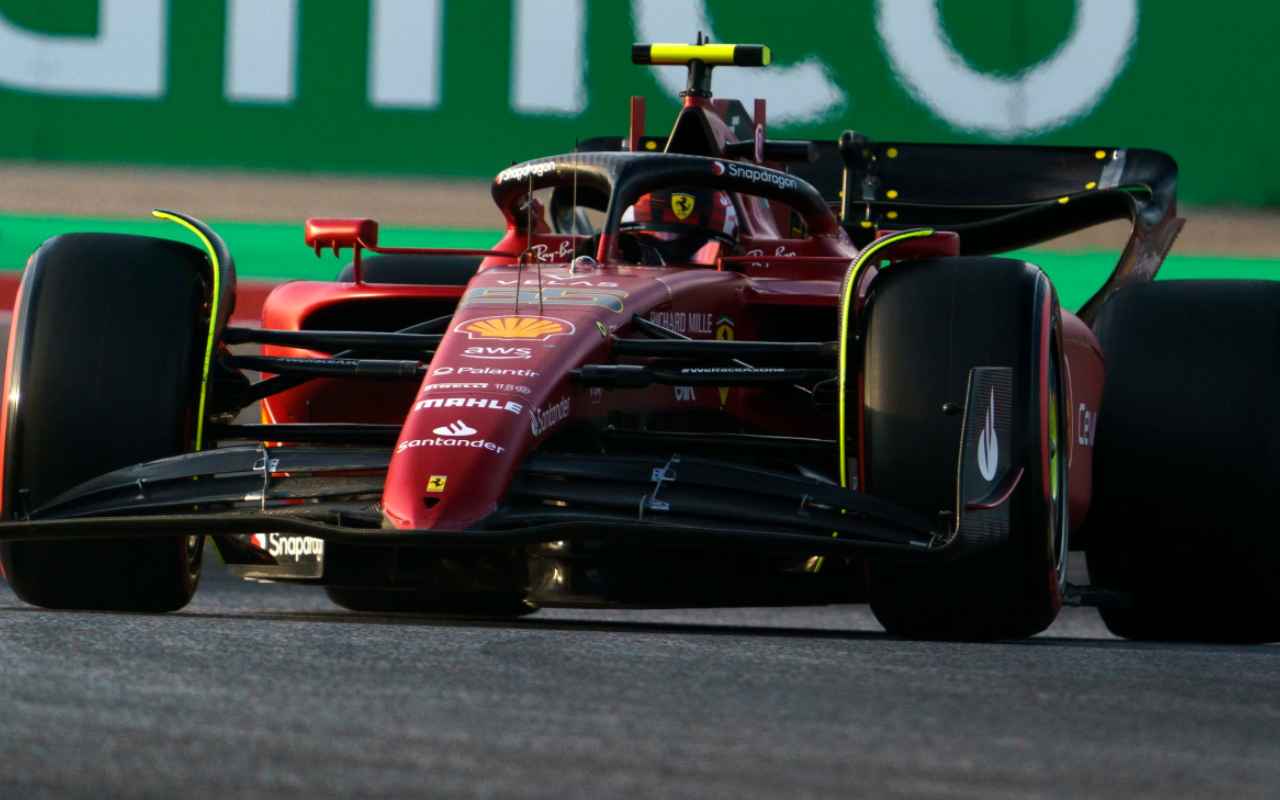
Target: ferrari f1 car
(707, 368)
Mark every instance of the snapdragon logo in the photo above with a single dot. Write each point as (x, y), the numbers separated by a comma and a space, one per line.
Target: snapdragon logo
(291, 547)
(522, 172)
(756, 175)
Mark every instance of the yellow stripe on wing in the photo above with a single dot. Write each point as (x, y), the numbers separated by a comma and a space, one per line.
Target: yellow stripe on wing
(846, 306)
(213, 318)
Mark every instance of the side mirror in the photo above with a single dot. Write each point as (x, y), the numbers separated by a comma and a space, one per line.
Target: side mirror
(339, 233)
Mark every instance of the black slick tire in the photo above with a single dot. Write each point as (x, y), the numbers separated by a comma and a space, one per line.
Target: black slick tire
(926, 325)
(104, 359)
(1185, 466)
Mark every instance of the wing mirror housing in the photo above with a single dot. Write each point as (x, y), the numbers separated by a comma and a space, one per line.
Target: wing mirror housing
(322, 233)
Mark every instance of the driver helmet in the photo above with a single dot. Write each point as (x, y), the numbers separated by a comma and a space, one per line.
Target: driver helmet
(702, 211)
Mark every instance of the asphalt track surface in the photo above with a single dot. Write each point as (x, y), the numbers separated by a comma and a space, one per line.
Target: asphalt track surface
(262, 690)
(270, 691)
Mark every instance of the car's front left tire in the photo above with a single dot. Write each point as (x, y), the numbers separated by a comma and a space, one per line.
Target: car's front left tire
(103, 372)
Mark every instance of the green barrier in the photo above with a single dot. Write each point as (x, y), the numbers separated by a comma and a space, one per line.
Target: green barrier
(274, 251)
(445, 87)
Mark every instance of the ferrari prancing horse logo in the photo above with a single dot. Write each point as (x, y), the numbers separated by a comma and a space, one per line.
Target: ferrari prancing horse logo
(682, 205)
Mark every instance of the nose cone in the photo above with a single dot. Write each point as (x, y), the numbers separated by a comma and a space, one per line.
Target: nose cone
(498, 384)
(501, 383)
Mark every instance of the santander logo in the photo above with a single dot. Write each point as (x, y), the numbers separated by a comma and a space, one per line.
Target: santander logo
(457, 428)
(988, 444)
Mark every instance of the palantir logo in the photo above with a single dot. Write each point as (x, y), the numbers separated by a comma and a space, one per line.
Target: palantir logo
(989, 444)
(457, 428)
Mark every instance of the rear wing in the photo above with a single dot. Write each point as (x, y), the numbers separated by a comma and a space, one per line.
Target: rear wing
(1003, 197)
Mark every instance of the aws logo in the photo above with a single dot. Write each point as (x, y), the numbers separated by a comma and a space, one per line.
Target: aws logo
(498, 353)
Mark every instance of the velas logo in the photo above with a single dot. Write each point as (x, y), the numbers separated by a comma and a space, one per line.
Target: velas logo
(509, 406)
(510, 328)
(498, 353)
(456, 428)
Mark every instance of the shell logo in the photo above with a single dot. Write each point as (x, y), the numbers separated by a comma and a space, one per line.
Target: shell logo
(525, 329)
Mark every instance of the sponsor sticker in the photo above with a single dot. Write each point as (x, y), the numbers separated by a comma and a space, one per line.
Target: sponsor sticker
(544, 253)
(548, 417)
(511, 328)
(728, 370)
(1086, 430)
(684, 321)
(724, 332)
(610, 299)
(509, 406)
(522, 172)
(496, 372)
(457, 428)
(724, 329)
(755, 174)
(436, 483)
(781, 250)
(455, 434)
(285, 547)
(682, 205)
(560, 282)
(498, 353)
(685, 394)
(451, 387)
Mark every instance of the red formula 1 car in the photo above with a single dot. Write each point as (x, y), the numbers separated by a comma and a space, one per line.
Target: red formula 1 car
(710, 368)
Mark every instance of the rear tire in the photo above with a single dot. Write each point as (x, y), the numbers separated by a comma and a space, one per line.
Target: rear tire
(104, 359)
(927, 324)
(1186, 462)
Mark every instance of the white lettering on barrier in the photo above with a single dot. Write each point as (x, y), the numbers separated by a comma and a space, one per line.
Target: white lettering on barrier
(126, 58)
(405, 53)
(1062, 88)
(261, 61)
(548, 43)
(805, 91)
